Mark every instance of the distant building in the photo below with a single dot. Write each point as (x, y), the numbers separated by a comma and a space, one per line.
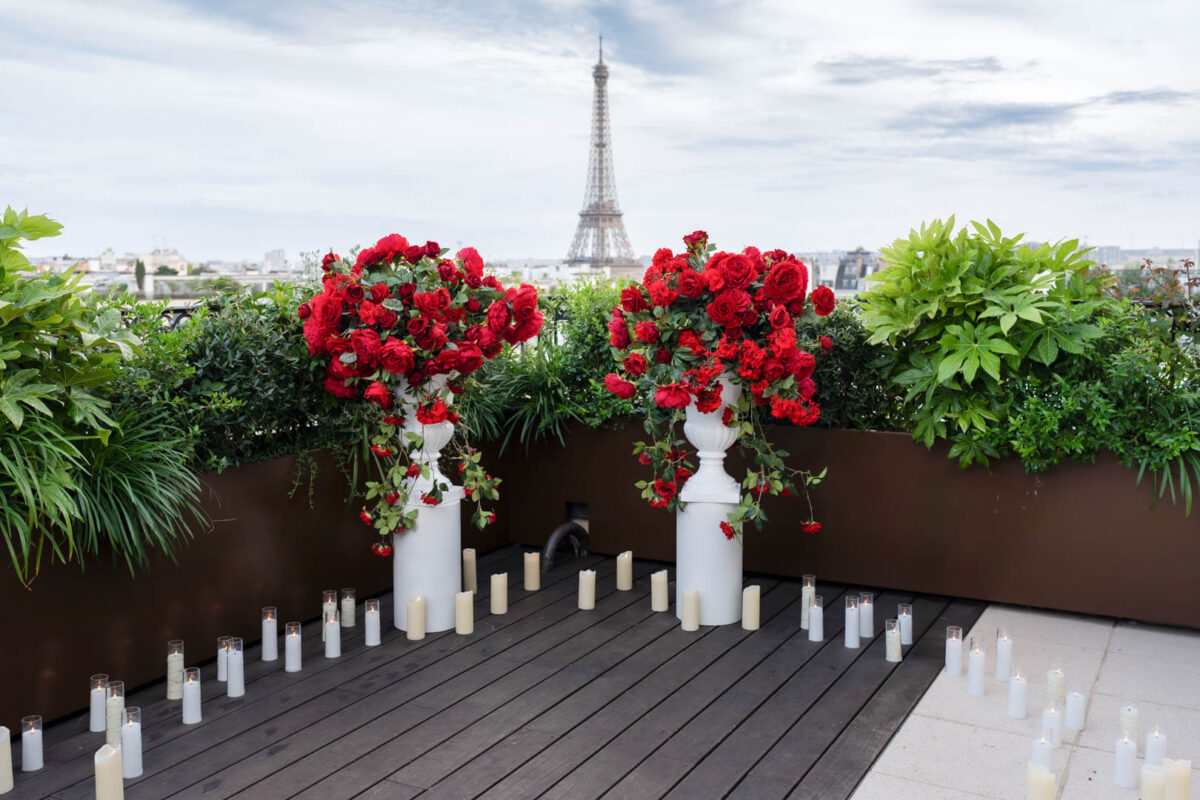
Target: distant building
(853, 269)
(274, 261)
(164, 258)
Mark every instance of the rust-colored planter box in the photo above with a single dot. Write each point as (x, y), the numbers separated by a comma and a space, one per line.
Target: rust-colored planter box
(264, 549)
(1082, 537)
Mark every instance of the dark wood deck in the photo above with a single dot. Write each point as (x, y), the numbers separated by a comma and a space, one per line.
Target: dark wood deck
(545, 701)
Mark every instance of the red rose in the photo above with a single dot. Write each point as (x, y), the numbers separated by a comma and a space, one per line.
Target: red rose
(379, 292)
(381, 549)
(660, 255)
(329, 258)
(632, 299)
(327, 309)
(470, 358)
(826, 343)
(365, 517)
(446, 271)
(786, 281)
(498, 316)
(803, 365)
(386, 319)
(780, 317)
(472, 262)
(355, 293)
(806, 388)
(413, 253)
(447, 361)
(366, 345)
(382, 452)
(392, 498)
(396, 357)
(696, 240)
(727, 529)
(406, 292)
(338, 388)
(672, 395)
(618, 330)
(665, 489)
(728, 306)
(418, 326)
(390, 246)
(432, 249)
(367, 257)
(618, 386)
(823, 300)
(525, 329)
(646, 331)
(524, 303)
(432, 304)
(489, 343)
(491, 282)
(691, 284)
(661, 294)
(472, 304)
(811, 527)
(708, 400)
(378, 394)
(432, 413)
(434, 338)
(304, 311)
(634, 364)
(662, 356)
(688, 339)
(414, 469)
(738, 271)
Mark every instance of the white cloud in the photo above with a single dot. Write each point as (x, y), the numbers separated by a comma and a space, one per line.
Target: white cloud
(230, 129)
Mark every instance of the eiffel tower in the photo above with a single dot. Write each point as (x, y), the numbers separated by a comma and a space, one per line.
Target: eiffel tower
(600, 242)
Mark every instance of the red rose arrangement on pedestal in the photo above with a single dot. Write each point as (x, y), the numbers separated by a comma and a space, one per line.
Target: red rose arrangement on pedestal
(399, 316)
(698, 315)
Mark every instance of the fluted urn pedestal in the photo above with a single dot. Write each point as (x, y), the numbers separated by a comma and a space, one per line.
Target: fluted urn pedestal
(705, 560)
(427, 560)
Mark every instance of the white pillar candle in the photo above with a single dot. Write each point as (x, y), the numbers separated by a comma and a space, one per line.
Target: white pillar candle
(587, 589)
(1042, 752)
(131, 742)
(1154, 782)
(1125, 765)
(905, 617)
(1004, 653)
(1052, 726)
(348, 615)
(109, 785)
(31, 744)
(1156, 748)
(625, 571)
(1039, 782)
(659, 599)
(750, 607)
(499, 597)
(291, 648)
(690, 612)
(328, 606)
(470, 584)
(1016, 696)
(533, 572)
(333, 635)
(464, 613)
(891, 637)
(816, 619)
(222, 658)
(1129, 722)
(235, 686)
(114, 710)
(976, 665)
(1075, 712)
(1056, 686)
(808, 589)
(1179, 778)
(174, 669)
(99, 684)
(371, 624)
(866, 615)
(6, 770)
(191, 696)
(953, 650)
(416, 615)
(270, 634)
(850, 630)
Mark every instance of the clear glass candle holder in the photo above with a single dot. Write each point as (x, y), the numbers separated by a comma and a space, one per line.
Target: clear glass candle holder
(293, 629)
(133, 714)
(904, 610)
(373, 606)
(866, 598)
(269, 614)
(31, 723)
(809, 581)
(175, 648)
(116, 689)
(329, 597)
(347, 595)
(954, 632)
(851, 601)
(235, 644)
(191, 675)
(891, 626)
(818, 601)
(223, 643)
(98, 681)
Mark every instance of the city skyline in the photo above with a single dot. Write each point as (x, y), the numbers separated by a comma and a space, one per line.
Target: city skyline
(228, 130)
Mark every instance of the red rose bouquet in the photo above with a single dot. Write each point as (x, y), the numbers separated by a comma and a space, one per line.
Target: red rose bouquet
(405, 318)
(698, 316)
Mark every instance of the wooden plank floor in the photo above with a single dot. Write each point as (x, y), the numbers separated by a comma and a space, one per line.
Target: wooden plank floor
(545, 701)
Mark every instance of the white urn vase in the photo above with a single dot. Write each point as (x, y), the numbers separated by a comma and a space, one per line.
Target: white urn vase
(427, 559)
(706, 561)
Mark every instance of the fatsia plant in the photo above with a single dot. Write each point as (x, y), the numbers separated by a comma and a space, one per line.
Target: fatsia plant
(967, 311)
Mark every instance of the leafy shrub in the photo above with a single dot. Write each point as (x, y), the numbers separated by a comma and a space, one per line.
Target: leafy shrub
(968, 312)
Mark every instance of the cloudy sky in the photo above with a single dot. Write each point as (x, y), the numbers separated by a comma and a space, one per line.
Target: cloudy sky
(226, 128)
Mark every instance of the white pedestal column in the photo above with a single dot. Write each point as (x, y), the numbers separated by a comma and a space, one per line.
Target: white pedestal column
(427, 560)
(705, 560)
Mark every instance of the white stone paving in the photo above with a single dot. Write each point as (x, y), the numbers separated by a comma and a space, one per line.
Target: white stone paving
(957, 746)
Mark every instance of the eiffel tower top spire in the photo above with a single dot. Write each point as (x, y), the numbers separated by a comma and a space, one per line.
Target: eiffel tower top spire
(600, 241)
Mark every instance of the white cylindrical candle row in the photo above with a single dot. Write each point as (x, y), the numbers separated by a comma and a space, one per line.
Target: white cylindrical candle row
(850, 631)
(976, 664)
(905, 617)
(1017, 687)
(191, 696)
(866, 615)
(751, 597)
(1052, 725)
(131, 741)
(1056, 686)
(816, 619)
(587, 589)
(625, 571)
(808, 590)
(31, 744)
(347, 618)
(659, 598)
(99, 690)
(114, 710)
(533, 572)
(416, 615)
(109, 783)
(1125, 763)
(371, 623)
(328, 606)
(470, 583)
(222, 657)
(1040, 783)
(1042, 752)
(333, 635)
(1004, 655)
(954, 650)
(6, 767)
(1178, 778)
(1075, 711)
(499, 598)
(464, 613)
(291, 648)
(235, 685)
(270, 634)
(174, 669)
(1156, 748)
(891, 636)
(689, 610)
